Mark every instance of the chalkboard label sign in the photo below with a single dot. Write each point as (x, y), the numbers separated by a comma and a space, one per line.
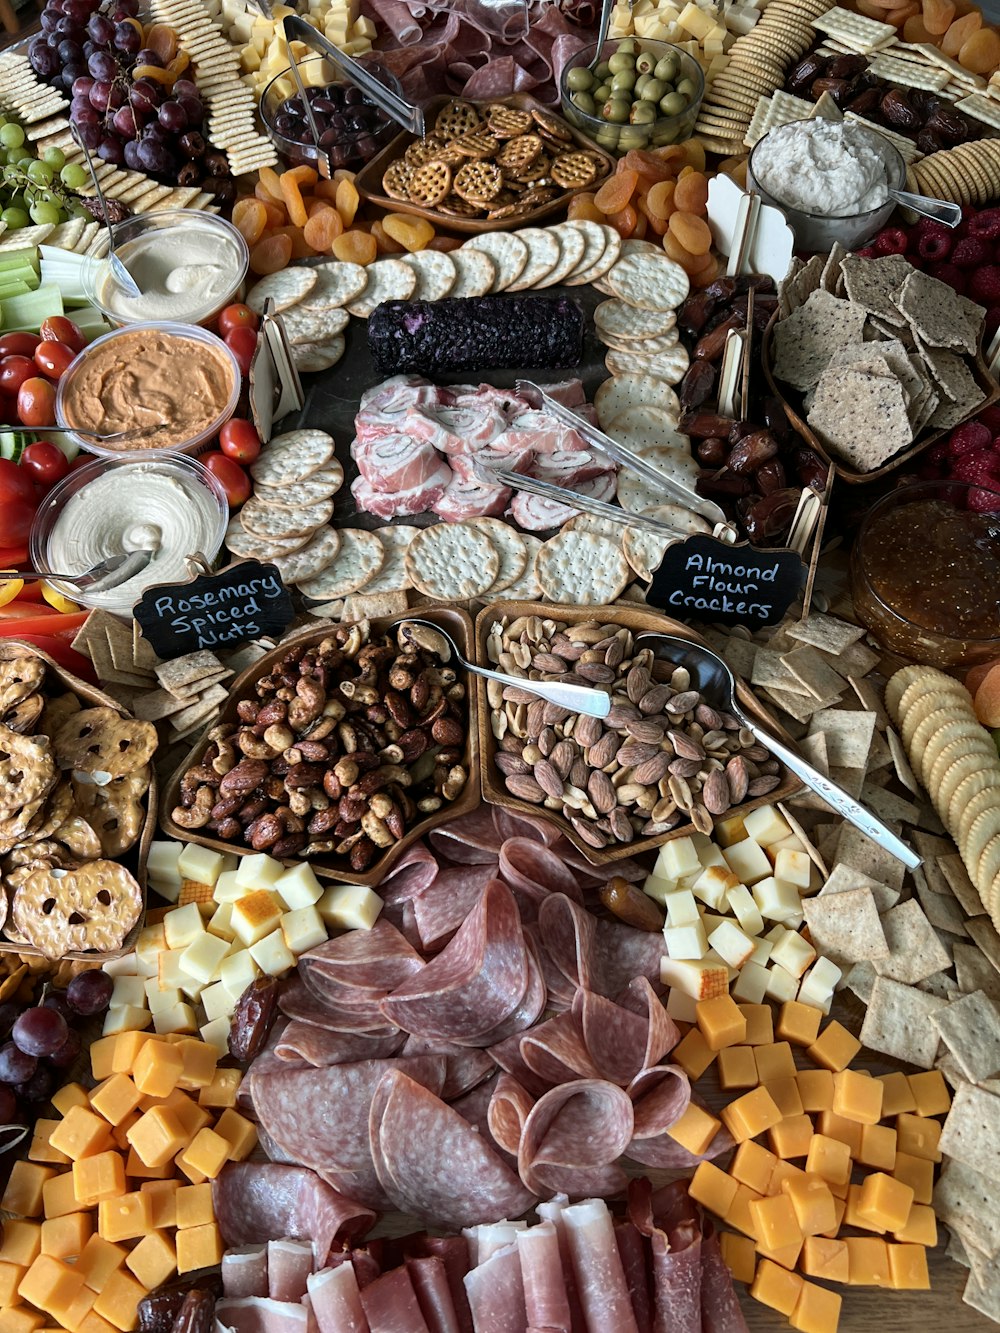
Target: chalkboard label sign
(705, 579)
(220, 610)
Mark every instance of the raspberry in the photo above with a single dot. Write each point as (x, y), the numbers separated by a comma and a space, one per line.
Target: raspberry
(984, 284)
(949, 273)
(986, 224)
(936, 243)
(973, 437)
(867, 253)
(984, 502)
(990, 417)
(971, 252)
(938, 453)
(981, 467)
(891, 241)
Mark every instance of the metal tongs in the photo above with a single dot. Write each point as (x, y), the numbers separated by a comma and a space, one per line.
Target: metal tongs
(674, 491)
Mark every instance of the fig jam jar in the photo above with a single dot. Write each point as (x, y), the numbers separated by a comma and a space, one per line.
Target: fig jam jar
(925, 573)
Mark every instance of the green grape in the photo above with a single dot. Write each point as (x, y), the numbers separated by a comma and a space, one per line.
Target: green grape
(18, 154)
(15, 218)
(45, 213)
(39, 173)
(75, 209)
(11, 172)
(55, 157)
(73, 176)
(11, 136)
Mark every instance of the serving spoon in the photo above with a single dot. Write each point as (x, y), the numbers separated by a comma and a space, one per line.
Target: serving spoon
(580, 698)
(118, 436)
(126, 566)
(122, 276)
(938, 210)
(712, 677)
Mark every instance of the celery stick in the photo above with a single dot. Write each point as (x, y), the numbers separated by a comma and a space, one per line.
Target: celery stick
(29, 311)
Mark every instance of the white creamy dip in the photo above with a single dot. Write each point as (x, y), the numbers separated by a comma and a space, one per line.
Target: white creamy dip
(831, 168)
(184, 272)
(142, 506)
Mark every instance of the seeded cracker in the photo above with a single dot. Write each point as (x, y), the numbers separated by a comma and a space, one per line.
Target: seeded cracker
(805, 342)
(862, 417)
(939, 315)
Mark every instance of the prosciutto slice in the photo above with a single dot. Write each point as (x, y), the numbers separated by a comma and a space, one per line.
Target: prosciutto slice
(256, 1202)
(289, 1263)
(720, 1306)
(336, 1300)
(545, 1300)
(255, 1314)
(430, 1283)
(496, 1293)
(244, 1271)
(573, 1137)
(632, 1250)
(398, 504)
(454, 1255)
(597, 1267)
(676, 1243)
(431, 1162)
(391, 1306)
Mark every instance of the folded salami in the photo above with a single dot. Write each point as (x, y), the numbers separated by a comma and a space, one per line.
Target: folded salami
(475, 333)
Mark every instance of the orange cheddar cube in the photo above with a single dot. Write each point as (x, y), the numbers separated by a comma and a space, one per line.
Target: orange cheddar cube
(157, 1136)
(154, 1260)
(785, 1095)
(99, 1177)
(124, 1218)
(918, 1137)
(101, 1058)
(739, 1256)
(878, 1147)
(11, 1277)
(163, 1202)
(776, 1287)
(783, 1171)
(222, 1090)
(791, 1136)
(885, 1201)
(135, 1166)
(50, 1284)
(120, 1131)
(854, 1218)
(193, 1205)
(115, 1098)
(695, 1130)
(760, 1026)
(59, 1196)
(95, 1324)
(720, 1022)
(739, 1211)
(158, 1066)
(118, 1303)
(839, 1127)
(828, 1158)
(23, 1194)
(712, 1188)
(816, 1311)
(815, 1089)
(774, 1221)
(98, 1261)
(22, 1243)
(192, 1117)
(70, 1094)
(19, 1319)
(753, 1166)
(857, 1097)
(192, 1173)
(825, 1258)
(897, 1095)
(930, 1092)
(41, 1149)
(126, 1050)
(80, 1133)
(868, 1261)
(208, 1153)
(693, 1054)
(198, 1247)
(917, 1172)
(921, 1227)
(834, 1048)
(750, 1115)
(814, 1205)
(200, 1061)
(65, 1237)
(798, 1023)
(908, 1268)
(82, 1304)
(241, 1134)
(787, 1257)
(775, 1061)
(737, 1068)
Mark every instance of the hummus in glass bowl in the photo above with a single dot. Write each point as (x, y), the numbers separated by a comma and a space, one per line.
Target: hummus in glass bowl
(168, 504)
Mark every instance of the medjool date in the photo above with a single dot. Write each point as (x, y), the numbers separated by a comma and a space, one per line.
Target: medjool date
(809, 68)
(752, 451)
(713, 452)
(697, 385)
(770, 516)
(896, 108)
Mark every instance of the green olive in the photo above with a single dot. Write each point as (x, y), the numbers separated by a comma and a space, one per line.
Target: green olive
(585, 103)
(579, 79)
(654, 90)
(628, 47)
(687, 87)
(602, 71)
(667, 68)
(673, 104)
(601, 94)
(619, 63)
(642, 113)
(640, 83)
(624, 82)
(645, 63)
(633, 136)
(616, 109)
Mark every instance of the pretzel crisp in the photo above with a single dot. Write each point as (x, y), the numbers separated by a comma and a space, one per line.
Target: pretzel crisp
(92, 907)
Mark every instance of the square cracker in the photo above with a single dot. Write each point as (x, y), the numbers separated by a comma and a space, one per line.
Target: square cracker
(844, 878)
(827, 633)
(969, 1204)
(971, 1132)
(970, 1028)
(975, 973)
(845, 926)
(848, 735)
(915, 952)
(872, 284)
(862, 416)
(897, 1022)
(939, 315)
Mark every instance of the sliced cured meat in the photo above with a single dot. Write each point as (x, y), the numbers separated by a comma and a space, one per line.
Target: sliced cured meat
(470, 839)
(557, 1052)
(533, 870)
(430, 1283)
(255, 1314)
(553, 1210)
(597, 1267)
(256, 1202)
(271, 1149)
(531, 1006)
(485, 1240)
(632, 1247)
(545, 1301)
(310, 997)
(432, 1163)
(560, 990)
(510, 1107)
(474, 1106)
(441, 908)
(244, 1271)
(574, 1136)
(412, 875)
(475, 983)
(567, 392)
(660, 1096)
(496, 1294)
(662, 1034)
(454, 1254)
(621, 953)
(508, 1056)
(676, 1247)
(376, 960)
(505, 453)
(573, 463)
(535, 430)
(336, 1300)
(397, 462)
(399, 504)
(289, 1263)
(391, 1306)
(661, 1150)
(400, 394)
(465, 1066)
(513, 824)
(566, 932)
(720, 1306)
(470, 497)
(320, 1047)
(467, 427)
(615, 1039)
(536, 514)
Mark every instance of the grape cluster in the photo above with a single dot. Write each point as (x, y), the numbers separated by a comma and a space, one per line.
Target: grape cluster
(351, 128)
(39, 1042)
(34, 189)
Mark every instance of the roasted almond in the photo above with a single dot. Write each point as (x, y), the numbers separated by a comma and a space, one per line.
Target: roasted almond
(650, 772)
(601, 792)
(588, 730)
(548, 778)
(715, 793)
(738, 779)
(637, 682)
(606, 749)
(550, 663)
(524, 786)
(685, 746)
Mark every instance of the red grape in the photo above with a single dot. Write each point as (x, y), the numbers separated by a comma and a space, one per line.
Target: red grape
(68, 1051)
(8, 1105)
(40, 1031)
(15, 1066)
(90, 992)
(39, 1087)
(56, 999)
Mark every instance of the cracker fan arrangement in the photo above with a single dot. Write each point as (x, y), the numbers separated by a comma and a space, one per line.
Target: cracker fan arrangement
(499, 668)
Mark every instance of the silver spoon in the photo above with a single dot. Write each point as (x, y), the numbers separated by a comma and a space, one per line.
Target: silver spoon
(122, 276)
(580, 698)
(938, 210)
(126, 566)
(711, 675)
(118, 436)
(602, 30)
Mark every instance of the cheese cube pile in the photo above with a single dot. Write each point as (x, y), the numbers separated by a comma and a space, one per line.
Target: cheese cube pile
(704, 29)
(115, 1197)
(843, 1149)
(264, 50)
(733, 908)
(233, 920)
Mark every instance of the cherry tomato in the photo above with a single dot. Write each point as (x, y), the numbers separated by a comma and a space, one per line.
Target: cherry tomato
(36, 403)
(234, 481)
(15, 484)
(19, 344)
(44, 463)
(15, 519)
(237, 317)
(242, 342)
(238, 439)
(59, 329)
(14, 370)
(52, 358)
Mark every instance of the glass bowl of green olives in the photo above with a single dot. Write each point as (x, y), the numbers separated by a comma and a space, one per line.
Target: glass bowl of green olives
(633, 93)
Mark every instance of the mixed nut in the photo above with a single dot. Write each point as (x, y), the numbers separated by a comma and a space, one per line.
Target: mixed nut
(346, 744)
(661, 758)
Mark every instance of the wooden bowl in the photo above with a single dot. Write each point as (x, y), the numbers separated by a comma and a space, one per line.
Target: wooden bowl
(369, 178)
(459, 626)
(637, 620)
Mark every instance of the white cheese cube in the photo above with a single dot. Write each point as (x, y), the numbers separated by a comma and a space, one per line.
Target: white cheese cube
(129, 990)
(182, 926)
(125, 966)
(819, 983)
(761, 951)
(148, 966)
(686, 941)
(659, 889)
(272, 955)
(256, 915)
(179, 1018)
(781, 985)
(202, 958)
(228, 888)
(776, 900)
(169, 970)
(349, 907)
(750, 986)
(158, 999)
(200, 864)
(745, 910)
(794, 954)
(303, 929)
(161, 863)
(217, 1002)
(682, 910)
(298, 887)
(216, 1034)
(151, 940)
(766, 825)
(681, 1007)
(713, 884)
(712, 922)
(711, 855)
(237, 971)
(747, 860)
(677, 858)
(259, 871)
(730, 943)
(221, 923)
(125, 1018)
(791, 843)
(701, 978)
(793, 868)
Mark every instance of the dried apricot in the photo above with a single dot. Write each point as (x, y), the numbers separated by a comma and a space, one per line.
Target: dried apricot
(691, 232)
(674, 153)
(691, 194)
(271, 254)
(674, 250)
(322, 229)
(960, 31)
(162, 39)
(650, 169)
(653, 224)
(694, 153)
(357, 247)
(250, 218)
(641, 223)
(938, 15)
(411, 233)
(708, 274)
(303, 175)
(301, 249)
(897, 17)
(324, 189)
(624, 221)
(294, 202)
(615, 193)
(347, 201)
(660, 200)
(582, 206)
(276, 215)
(386, 244)
(270, 181)
(981, 53)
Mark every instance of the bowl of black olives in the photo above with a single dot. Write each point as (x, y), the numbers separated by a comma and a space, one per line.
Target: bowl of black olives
(352, 129)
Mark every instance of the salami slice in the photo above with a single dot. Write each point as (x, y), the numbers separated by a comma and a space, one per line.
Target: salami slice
(557, 1052)
(474, 1106)
(535, 871)
(513, 824)
(319, 1047)
(465, 1066)
(621, 953)
(660, 1096)
(412, 875)
(615, 1039)
(373, 961)
(720, 1306)
(574, 1136)
(676, 1261)
(508, 1056)
(432, 1163)
(662, 1034)
(566, 932)
(468, 840)
(440, 910)
(509, 1109)
(531, 1006)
